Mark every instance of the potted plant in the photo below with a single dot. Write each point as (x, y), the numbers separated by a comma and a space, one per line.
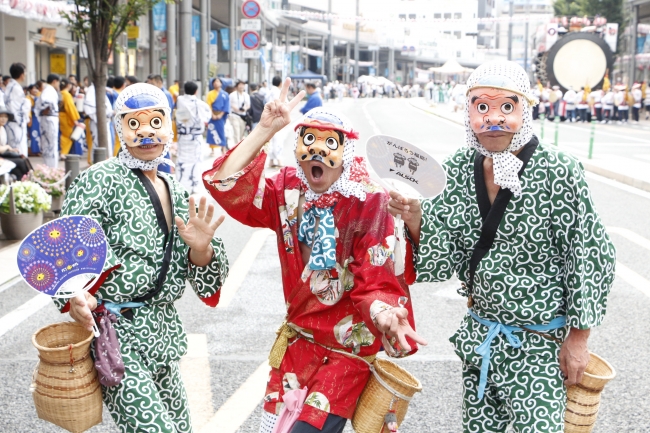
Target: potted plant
(53, 182)
(21, 208)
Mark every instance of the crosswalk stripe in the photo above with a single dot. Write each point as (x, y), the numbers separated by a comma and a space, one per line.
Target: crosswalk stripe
(10, 320)
(236, 410)
(242, 265)
(633, 279)
(195, 370)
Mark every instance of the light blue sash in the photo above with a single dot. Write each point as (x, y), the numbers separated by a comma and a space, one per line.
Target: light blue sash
(496, 328)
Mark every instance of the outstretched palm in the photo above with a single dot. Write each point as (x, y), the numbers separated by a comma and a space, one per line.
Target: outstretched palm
(199, 230)
(277, 114)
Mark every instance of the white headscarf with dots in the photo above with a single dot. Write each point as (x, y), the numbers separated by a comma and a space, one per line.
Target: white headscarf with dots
(509, 76)
(343, 184)
(159, 101)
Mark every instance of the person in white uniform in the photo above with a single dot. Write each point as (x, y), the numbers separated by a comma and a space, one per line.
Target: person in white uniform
(192, 115)
(275, 144)
(240, 102)
(16, 102)
(47, 110)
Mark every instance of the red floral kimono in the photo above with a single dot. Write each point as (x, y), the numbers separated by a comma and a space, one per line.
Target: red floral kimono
(329, 309)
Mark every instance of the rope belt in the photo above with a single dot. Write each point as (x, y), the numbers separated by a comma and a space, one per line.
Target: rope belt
(496, 328)
(285, 332)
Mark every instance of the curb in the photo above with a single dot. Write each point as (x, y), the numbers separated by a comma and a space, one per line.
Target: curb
(619, 177)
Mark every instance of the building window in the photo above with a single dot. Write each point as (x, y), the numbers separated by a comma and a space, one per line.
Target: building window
(447, 32)
(437, 16)
(458, 54)
(458, 15)
(412, 17)
(447, 15)
(457, 34)
(402, 17)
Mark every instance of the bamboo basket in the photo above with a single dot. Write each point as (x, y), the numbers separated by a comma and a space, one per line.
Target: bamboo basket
(65, 385)
(583, 399)
(376, 399)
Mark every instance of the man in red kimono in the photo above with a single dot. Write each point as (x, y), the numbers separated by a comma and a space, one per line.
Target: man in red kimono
(336, 244)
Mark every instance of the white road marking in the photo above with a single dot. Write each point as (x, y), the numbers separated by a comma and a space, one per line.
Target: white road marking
(236, 410)
(8, 263)
(240, 268)
(10, 320)
(619, 185)
(633, 279)
(370, 120)
(195, 370)
(630, 236)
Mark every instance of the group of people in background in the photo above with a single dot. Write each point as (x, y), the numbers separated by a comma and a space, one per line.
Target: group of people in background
(611, 104)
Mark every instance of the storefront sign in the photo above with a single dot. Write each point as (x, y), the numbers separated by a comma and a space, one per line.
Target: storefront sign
(58, 63)
(48, 35)
(133, 32)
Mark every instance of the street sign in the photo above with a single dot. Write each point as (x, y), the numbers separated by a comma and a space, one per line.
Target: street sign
(251, 54)
(251, 9)
(250, 40)
(251, 24)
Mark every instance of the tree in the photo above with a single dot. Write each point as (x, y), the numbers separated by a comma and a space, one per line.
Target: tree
(568, 8)
(98, 23)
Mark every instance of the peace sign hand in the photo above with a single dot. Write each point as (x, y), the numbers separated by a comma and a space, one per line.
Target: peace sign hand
(277, 114)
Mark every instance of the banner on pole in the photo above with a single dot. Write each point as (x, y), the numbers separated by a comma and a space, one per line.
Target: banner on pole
(225, 39)
(160, 16)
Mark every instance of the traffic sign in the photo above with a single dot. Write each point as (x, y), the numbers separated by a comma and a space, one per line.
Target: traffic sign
(250, 40)
(251, 24)
(251, 9)
(251, 54)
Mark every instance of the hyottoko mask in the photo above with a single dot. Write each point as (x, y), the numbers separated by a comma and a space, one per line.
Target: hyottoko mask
(142, 125)
(495, 106)
(321, 137)
(322, 145)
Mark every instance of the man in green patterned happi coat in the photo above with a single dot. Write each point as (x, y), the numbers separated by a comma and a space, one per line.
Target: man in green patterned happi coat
(135, 205)
(540, 285)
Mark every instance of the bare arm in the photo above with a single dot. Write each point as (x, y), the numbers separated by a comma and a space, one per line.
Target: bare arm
(276, 115)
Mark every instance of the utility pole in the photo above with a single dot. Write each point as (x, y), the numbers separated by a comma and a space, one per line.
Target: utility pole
(510, 30)
(185, 45)
(346, 68)
(205, 39)
(233, 36)
(171, 44)
(526, 39)
(356, 47)
(330, 43)
(152, 52)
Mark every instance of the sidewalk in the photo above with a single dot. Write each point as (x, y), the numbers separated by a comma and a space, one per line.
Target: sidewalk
(629, 171)
(9, 248)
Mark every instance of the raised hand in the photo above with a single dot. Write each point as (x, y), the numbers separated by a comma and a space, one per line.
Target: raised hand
(199, 231)
(394, 323)
(277, 114)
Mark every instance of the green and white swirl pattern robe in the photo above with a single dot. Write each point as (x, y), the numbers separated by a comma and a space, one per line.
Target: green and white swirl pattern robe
(551, 257)
(151, 397)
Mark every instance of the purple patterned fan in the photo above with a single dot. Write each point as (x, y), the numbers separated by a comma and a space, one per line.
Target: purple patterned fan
(59, 257)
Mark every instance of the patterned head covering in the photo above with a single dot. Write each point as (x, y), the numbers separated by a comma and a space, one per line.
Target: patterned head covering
(321, 118)
(318, 207)
(141, 96)
(508, 76)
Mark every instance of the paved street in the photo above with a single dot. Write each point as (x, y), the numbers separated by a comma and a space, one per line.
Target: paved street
(225, 371)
